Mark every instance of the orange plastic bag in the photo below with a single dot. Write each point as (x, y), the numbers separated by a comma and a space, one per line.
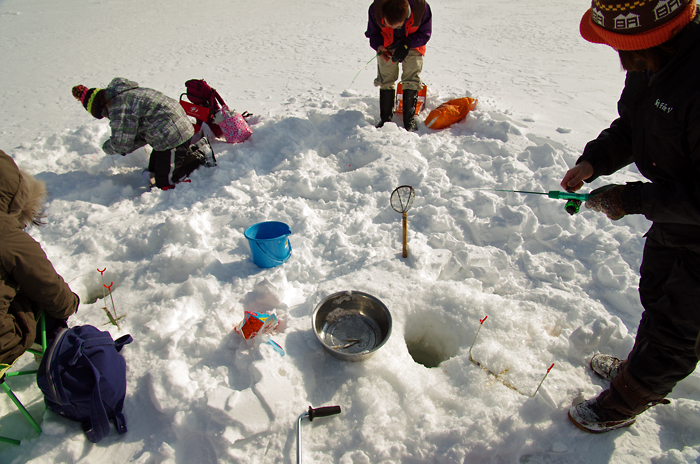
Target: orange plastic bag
(420, 102)
(450, 112)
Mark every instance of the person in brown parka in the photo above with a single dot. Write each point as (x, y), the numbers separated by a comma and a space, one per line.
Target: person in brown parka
(29, 283)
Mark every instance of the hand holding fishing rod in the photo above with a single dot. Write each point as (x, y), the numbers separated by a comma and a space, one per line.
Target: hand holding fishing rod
(573, 205)
(574, 177)
(556, 194)
(606, 199)
(573, 180)
(384, 53)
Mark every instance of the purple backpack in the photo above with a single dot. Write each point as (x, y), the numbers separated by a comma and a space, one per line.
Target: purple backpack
(83, 378)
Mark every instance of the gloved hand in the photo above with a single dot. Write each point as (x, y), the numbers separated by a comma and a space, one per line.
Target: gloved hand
(607, 199)
(401, 50)
(384, 53)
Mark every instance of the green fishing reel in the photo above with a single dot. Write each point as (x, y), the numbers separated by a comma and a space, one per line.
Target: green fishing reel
(573, 200)
(573, 206)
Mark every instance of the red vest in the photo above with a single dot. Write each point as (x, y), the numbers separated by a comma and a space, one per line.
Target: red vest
(388, 33)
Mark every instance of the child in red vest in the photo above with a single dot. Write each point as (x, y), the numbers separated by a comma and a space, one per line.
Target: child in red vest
(398, 30)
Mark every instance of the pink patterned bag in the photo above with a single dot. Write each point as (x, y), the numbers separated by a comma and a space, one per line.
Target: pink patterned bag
(234, 126)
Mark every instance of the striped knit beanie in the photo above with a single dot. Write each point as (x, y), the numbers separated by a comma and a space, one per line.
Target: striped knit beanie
(635, 25)
(89, 99)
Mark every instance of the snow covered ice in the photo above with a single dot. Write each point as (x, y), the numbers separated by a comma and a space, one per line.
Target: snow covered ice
(556, 288)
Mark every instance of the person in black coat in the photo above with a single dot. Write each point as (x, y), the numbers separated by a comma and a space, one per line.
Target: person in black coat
(658, 129)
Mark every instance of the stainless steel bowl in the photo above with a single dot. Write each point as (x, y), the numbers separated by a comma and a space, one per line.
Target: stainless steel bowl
(352, 326)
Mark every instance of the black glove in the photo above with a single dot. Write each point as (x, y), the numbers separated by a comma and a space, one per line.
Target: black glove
(607, 199)
(400, 50)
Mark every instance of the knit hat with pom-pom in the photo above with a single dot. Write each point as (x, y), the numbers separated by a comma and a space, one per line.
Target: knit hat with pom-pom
(91, 99)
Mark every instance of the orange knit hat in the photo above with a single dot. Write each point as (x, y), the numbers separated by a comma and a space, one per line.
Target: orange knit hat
(635, 25)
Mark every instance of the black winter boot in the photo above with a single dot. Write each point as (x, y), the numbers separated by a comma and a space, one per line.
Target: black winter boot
(615, 407)
(607, 367)
(386, 106)
(410, 100)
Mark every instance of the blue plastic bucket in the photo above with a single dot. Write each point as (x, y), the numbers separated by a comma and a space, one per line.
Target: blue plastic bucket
(269, 243)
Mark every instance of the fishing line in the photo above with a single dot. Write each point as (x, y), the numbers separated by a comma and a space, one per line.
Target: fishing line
(365, 67)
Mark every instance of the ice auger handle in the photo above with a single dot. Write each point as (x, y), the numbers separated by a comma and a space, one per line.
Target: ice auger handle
(323, 411)
(318, 412)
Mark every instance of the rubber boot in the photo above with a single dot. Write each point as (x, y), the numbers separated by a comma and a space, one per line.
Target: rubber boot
(410, 100)
(386, 106)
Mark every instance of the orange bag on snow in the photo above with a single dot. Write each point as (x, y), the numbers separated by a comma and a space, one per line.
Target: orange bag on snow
(450, 112)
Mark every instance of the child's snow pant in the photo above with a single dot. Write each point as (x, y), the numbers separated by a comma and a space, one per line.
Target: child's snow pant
(171, 166)
(388, 73)
(669, 288)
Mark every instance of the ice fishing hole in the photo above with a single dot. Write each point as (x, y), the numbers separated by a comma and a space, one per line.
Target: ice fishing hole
(425, 354)
(431, 342)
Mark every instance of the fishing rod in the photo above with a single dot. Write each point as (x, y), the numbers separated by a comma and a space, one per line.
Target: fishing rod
(358, 72)
(574, 200)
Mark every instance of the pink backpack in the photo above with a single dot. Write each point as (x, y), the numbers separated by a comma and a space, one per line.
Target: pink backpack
(206, 106)
(234, 126)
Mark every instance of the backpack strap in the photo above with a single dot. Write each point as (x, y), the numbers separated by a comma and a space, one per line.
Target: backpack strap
(91, 340)
(121, 341)
(98, 426)
(218, 97)
(120, 423)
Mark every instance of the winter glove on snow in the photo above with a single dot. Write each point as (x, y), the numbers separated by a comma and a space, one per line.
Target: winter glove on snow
(607, 199)
(401, 50)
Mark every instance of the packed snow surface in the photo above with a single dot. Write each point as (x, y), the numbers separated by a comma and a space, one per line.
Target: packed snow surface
(556, 288)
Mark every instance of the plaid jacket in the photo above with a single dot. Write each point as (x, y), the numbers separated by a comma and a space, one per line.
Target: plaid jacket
(140, 116)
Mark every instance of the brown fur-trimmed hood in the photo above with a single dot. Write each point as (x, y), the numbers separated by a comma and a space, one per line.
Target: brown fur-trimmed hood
(21, 195)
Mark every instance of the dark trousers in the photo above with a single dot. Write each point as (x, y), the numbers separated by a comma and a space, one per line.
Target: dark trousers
(171, 166)
(669, 288)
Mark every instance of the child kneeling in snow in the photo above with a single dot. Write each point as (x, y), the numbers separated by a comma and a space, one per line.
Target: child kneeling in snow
(140, 116)
(29, 284)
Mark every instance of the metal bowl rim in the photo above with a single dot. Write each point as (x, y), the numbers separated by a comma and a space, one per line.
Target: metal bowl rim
(352, 293)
